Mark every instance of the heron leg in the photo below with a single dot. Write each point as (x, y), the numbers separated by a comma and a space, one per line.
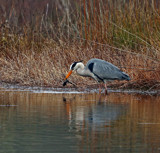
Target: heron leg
(106, 91)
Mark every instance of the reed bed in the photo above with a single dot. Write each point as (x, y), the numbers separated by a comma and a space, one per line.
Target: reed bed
(37, 47)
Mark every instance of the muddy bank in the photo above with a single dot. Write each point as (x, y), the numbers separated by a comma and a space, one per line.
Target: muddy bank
(74, 90)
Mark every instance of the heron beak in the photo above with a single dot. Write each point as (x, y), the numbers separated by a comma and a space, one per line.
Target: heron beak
(69, 73)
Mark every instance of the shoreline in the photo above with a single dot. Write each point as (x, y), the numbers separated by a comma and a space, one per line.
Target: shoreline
(73, 90)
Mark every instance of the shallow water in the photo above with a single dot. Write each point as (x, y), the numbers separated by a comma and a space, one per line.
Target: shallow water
(32, 121)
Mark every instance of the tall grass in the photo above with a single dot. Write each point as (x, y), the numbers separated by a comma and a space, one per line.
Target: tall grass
(39, 43)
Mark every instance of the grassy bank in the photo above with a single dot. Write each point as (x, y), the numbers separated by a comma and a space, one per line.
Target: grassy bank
(37, 47)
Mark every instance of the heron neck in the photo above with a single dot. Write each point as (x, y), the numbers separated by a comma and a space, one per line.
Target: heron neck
(81, 71)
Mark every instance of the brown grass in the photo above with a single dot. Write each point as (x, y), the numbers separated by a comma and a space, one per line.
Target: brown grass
(37, 50)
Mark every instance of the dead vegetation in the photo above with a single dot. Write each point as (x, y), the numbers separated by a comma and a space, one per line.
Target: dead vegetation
(37, 50)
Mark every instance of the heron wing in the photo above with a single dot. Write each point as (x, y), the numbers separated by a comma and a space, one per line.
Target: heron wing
(104, 69)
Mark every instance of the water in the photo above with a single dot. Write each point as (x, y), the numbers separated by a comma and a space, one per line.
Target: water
(80, 122)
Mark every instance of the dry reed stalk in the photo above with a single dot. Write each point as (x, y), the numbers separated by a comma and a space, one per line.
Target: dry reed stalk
(39, 51)
(49, 67)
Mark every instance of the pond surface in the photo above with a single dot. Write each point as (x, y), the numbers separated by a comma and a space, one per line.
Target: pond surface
(81, 122)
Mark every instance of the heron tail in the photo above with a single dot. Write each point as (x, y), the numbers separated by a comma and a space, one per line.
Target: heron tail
(125, 76)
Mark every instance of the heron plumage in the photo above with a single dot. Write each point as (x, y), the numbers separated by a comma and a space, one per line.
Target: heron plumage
(106, 70)
(100, 70)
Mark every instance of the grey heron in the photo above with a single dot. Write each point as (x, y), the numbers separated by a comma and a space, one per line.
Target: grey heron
(100, 70)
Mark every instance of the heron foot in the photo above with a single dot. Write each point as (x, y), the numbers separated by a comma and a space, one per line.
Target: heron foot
(106, 91)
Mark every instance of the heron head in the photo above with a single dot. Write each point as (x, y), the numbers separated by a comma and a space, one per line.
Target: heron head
(74, 66)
